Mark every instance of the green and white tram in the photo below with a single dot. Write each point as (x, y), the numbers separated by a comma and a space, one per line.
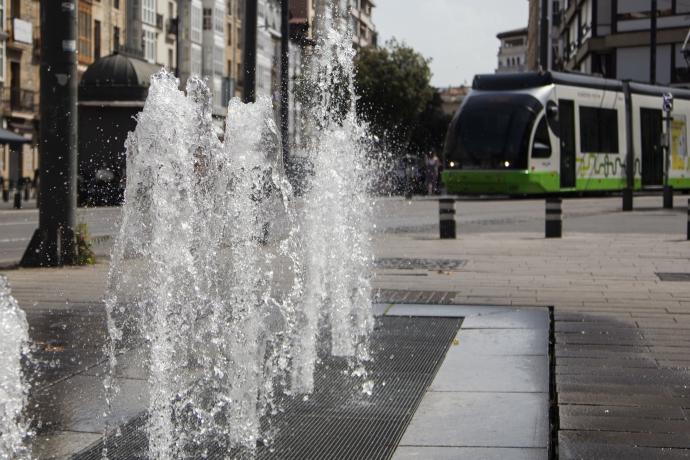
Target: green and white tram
(539, 133)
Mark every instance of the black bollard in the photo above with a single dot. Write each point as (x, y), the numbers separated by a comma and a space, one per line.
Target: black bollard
(446, 216)
(5, 195)
(554, 218)
(27, 192)
(688, 220)
(17, 199)
(668, 197)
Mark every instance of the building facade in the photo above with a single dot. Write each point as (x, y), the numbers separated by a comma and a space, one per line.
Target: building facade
(19, 80)
(612, 38)
(100, 26)
(512, 53)
(150, 31)
(234, 34)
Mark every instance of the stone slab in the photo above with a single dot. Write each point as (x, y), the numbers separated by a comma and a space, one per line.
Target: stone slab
(480, 420)
(505, 342)
(62, 444)
(468, 453)
(447, 311)
(516, 319)
(77, 404)
(467, 372)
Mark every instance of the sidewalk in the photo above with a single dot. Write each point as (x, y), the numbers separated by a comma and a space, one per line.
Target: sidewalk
(622, 335)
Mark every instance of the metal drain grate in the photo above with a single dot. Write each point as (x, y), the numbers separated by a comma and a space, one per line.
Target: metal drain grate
(338, 420)
(674, 276)
(419, 264)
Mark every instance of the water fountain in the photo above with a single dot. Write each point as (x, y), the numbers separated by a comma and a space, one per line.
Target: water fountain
(226, 280)
(14, 342)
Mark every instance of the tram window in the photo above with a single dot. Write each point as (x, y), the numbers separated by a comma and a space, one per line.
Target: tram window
(598, 130)
(541, 148)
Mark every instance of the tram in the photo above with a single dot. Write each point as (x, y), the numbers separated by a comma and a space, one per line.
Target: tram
(552, 132)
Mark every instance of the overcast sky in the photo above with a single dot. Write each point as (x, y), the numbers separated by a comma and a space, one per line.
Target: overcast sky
(460, 35)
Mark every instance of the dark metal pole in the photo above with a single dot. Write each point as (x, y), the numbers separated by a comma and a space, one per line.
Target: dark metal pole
(630, 154)
(652, 51)
(554, 218)
(285, 79)
(249, 59)
(54, 242)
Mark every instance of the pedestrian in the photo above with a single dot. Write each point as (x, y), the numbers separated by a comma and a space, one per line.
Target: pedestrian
(432, 172)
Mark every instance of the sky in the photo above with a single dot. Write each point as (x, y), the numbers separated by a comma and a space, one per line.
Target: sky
(459, 35)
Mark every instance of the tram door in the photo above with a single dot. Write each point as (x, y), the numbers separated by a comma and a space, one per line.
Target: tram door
(652, 153)
(566, 122)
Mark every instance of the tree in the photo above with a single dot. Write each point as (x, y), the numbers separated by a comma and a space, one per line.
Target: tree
(393, 86)
(430, 130)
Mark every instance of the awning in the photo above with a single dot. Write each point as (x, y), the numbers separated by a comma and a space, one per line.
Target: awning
(8, 137)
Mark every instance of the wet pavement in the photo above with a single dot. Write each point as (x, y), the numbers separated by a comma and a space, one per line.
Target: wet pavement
(621, 347)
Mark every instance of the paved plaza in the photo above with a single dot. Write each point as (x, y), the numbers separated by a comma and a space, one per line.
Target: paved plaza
(621, 351)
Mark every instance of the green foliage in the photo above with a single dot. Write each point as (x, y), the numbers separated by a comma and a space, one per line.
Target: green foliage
(85, 255)
(393, 85)
(430, 130)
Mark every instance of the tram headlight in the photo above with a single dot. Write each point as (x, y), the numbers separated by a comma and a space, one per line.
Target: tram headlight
(452, 164)
(506, 164)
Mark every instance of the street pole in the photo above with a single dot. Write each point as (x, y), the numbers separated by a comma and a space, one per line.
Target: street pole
(652, 50)
(285, 79)
(249, 58)
(630, 155)
(667, 106)
(53, 243)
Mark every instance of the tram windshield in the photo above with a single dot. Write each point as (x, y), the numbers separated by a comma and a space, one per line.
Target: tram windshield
(492, 131)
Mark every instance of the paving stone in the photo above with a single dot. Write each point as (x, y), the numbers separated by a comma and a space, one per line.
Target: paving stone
(468, 453)
(462, 418)
(609, 442)
(62, 444)
(647, 412)
(625, 424)
(459, 311)
(534, 319)
(77, 404)
(504, 342)
(469, 372)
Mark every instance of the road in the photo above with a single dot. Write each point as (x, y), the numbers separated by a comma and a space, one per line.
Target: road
(17, 227)
(420, 215)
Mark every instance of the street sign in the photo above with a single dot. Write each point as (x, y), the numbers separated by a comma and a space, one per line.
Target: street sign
(668, 102)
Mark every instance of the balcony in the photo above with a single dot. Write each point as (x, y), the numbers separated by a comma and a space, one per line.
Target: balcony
(171, 27)
(18, 99)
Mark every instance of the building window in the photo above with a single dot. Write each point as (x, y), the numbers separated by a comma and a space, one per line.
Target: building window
(96, 39)
(208, 18)
(195, 61)
(171, 64)
(219, 20)
(150, 46)
(16, 8)
(196, 25)
(116, 4)
(148, 12)
(598, 130)
(2, 61)
(116, 38)
(171, 10)
(84, 28)
(229, 34)
(541, 148)
(218, 59)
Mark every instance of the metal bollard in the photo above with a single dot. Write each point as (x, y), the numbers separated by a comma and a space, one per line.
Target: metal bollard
(446, 216)
(5, 195)
(27, 192)
(668, 197)
(554, 218)
(688, 220)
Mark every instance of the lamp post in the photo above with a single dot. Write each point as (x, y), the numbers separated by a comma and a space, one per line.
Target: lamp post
(285, 78)
(249, 58)
(53, 243)
(652, 45)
